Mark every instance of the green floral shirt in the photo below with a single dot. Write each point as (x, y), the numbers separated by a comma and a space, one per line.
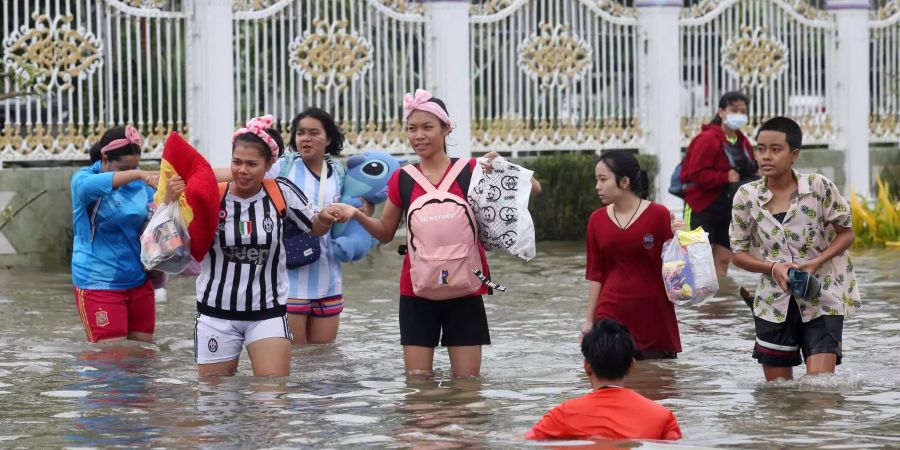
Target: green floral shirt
(804, 234)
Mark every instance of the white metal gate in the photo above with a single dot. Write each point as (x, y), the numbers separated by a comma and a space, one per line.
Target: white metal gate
(554, 75)
(93, 64)
(884, 116)
(353, 58)
(775, 51)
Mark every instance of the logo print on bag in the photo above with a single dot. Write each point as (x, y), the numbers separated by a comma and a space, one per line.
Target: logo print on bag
(474, 205)
(479, 188)
(508, 238)
(509, 183)
(102, 318)
(212, 345)
(648, 241)
(494, 194)
(443, 278)
(268, 225)
(489, 214)
(508, 215)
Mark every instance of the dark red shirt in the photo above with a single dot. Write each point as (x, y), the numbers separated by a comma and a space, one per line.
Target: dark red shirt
(706, 167)
(628, 265)
(396, 198)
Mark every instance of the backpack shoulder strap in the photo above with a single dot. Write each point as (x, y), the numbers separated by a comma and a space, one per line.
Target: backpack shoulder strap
(223, 189)
(406, 186)
(418, 177)
(455, 170)
(274, 193)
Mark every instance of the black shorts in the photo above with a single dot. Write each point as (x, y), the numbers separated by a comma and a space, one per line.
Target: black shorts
(780, 344)
(715, 222)
(462, 321)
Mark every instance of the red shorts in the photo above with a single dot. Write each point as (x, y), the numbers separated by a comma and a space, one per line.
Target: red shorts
(110, 314)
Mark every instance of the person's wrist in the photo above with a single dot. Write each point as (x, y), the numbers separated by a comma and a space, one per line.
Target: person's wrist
(772, 270)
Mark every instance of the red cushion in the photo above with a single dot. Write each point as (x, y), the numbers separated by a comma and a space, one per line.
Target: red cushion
(200, 203)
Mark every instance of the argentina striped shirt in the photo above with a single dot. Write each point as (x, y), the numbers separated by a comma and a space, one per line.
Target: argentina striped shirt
(322, 278)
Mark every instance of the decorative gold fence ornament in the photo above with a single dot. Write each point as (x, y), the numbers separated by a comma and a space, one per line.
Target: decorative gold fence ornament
(330, 55)
(889, 9)
(251, 5)
(148, 4)
(404, 6)
(553, 56)
(51, 53)
(488, 7)
(755, 57)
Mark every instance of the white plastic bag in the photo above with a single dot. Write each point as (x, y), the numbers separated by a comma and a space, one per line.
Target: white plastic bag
(165, 244)
(500, 202)
(688, 269)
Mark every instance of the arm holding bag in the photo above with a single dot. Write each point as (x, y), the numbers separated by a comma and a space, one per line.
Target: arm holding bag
(499, 200)
(688, 269)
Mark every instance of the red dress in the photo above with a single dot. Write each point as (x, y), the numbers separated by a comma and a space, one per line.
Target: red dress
(628, 264)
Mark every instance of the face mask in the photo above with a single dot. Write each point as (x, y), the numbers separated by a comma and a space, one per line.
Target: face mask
(735, 121)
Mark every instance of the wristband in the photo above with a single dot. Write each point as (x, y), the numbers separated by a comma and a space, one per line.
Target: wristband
(772, 271)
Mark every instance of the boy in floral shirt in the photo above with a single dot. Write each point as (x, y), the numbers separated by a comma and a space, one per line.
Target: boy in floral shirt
(799, 221)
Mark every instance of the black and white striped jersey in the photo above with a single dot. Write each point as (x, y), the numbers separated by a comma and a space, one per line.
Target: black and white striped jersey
(243, 276)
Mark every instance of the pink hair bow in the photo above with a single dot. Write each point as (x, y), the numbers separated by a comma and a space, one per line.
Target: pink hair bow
(132, 136)
(421, 102)
(258, 126)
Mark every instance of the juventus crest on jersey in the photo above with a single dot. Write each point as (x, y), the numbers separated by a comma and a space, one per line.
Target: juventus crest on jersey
(243, 276)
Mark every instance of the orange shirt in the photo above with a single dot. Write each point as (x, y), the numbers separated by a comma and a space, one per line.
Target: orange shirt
(614, 413)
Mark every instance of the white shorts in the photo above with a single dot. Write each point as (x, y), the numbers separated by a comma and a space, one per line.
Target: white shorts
(219, 340)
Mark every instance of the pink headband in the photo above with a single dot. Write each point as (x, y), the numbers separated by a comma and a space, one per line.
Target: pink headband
(258, 126)
(131, 137)
(421, 102)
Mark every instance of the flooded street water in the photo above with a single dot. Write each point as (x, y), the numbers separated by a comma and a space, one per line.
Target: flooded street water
(59, 391)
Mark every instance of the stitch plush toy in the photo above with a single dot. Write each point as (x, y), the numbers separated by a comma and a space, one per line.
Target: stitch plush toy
(367, 176)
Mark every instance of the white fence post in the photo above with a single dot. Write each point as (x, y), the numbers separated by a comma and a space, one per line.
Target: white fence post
(449, 77)
(211, 71)
(850, 104)
(661, 87)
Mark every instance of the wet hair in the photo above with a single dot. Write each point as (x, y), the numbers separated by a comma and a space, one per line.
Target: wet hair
(249, 138)
(332, 130)
(623, 164)
(609, 349)
(113, 155)
(728, 99)
(792, 133)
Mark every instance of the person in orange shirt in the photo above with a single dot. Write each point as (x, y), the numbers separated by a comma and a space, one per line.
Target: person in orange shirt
(610, 410)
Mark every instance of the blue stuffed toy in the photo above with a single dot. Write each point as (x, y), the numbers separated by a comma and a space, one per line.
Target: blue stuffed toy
(367, 176)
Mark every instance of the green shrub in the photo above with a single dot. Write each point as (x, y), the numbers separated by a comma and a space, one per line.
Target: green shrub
(568, 196)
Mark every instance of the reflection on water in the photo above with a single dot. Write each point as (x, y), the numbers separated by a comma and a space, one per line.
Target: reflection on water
(59, 391)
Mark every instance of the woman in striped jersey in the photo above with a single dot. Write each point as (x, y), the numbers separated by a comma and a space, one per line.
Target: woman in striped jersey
(315, 296)
(243, 285)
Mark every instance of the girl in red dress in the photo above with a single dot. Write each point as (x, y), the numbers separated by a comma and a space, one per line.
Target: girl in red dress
(624, 258)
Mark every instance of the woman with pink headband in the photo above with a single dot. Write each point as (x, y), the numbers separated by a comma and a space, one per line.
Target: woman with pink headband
(111, 201)
(460, 324)
(243, 284)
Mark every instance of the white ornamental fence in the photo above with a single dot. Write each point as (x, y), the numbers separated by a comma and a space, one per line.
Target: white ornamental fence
(772, 50)
(554, 74)
(353, 58)
(518, 75)
(90, 65)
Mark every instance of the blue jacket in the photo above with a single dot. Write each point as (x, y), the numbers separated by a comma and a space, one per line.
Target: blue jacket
(107, 225)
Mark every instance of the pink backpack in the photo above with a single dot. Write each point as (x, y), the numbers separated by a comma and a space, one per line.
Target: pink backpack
(442, 239)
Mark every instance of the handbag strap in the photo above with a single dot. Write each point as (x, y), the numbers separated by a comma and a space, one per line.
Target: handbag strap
(323, 177)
